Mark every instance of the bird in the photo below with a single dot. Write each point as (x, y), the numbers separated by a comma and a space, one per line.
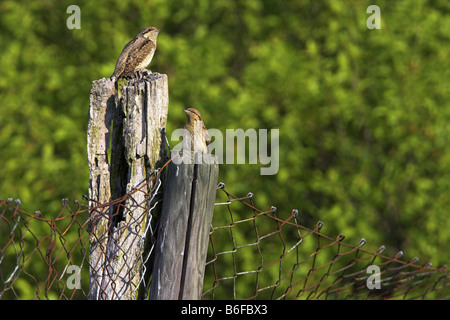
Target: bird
(138, 53)
(198, 134)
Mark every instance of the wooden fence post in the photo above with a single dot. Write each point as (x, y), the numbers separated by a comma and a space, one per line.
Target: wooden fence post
(183, 233)
(102, 104)
(135, 123)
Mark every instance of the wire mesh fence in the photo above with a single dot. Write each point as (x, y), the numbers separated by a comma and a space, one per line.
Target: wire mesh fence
(74, 255)
(36, 253)
(253, 254)
(258, 255)
(121, 248)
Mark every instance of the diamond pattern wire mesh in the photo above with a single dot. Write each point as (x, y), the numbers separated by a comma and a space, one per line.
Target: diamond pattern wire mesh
(123, 268)
(259, 255)
(253, 254)
(36, 253)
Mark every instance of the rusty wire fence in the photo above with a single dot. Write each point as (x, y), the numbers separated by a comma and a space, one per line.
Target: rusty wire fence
(258, 255)
(253, 254)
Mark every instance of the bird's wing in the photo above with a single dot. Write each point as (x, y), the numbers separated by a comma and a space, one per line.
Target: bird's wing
(142, 49)
(132, 54)
(121, 62)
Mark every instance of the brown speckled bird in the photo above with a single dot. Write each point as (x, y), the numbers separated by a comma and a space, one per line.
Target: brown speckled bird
(137, 54)
(199, 137)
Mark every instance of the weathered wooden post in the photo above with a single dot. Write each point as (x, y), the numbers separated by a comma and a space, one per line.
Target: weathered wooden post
(183, 234)
(102, 104)
(134, 121)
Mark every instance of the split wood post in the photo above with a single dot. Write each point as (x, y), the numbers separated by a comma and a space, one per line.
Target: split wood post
(135, 123)
(98, 136)
(183, 233)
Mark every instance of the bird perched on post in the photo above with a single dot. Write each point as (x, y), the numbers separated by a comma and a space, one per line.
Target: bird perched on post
(137, 54)
(199, 138)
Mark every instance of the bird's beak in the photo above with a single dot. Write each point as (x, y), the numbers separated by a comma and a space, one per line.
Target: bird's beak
(158, 30)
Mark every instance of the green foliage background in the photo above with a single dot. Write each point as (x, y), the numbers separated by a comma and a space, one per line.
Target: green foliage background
(363, 114)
